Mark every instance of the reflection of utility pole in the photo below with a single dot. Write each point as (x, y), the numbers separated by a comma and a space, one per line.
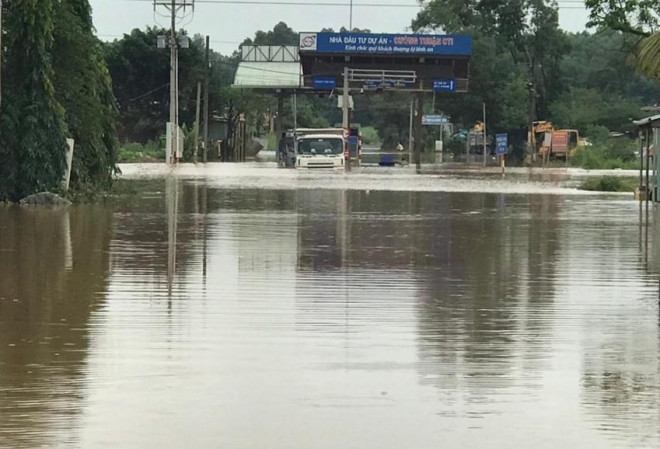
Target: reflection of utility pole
(173, 7)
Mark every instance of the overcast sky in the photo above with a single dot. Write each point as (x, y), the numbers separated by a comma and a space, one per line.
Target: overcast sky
(229, 24)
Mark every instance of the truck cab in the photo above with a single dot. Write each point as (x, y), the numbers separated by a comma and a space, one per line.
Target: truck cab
(320, 151)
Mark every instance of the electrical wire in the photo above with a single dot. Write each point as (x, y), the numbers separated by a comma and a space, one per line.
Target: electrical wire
(148, 93)
(570, 4)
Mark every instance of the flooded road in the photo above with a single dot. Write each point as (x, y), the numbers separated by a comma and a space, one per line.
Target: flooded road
(221, 313)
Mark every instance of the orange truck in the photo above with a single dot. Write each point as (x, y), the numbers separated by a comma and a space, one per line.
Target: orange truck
(560, 143)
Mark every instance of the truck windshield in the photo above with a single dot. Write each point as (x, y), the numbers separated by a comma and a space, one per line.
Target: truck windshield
(321, 145)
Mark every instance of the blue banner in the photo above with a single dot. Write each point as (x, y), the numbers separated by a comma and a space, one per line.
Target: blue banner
(386, 44)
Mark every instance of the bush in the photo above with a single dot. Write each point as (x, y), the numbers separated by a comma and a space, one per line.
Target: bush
(137, 152)
(610, 155)
(607, 184)
(369, 135)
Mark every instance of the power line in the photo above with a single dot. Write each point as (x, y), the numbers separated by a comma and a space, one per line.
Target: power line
(577, 4)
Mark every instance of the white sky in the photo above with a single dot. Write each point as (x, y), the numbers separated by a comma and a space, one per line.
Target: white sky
(230, 24)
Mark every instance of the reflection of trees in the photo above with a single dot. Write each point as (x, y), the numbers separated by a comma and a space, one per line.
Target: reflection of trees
(53, 274)
(621, 381)
(488, 284)
(483, 264)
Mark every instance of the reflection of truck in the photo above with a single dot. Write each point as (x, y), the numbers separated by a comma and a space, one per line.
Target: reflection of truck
(318, 148)
(548, 142)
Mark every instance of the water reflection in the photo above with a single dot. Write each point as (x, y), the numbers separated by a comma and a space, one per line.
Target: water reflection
(330, 318)
(54, 268)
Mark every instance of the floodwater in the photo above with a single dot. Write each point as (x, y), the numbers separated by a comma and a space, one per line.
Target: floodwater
(279, 310)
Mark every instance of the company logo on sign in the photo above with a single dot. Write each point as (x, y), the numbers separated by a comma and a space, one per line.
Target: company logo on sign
(308, 41)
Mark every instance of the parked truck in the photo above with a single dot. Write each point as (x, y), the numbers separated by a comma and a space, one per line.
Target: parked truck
(551, 143)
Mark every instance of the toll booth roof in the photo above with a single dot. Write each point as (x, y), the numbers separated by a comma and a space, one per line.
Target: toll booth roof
(268, 75)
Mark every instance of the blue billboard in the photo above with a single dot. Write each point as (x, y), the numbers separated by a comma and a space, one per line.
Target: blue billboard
(386, 44)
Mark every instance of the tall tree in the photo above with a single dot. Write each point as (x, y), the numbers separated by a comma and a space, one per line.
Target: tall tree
(83, 87)
(638, 17)
(33, 130)
(528, 30)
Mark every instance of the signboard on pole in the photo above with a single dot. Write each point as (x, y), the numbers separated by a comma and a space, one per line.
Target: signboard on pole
(444, 85)
(325, 82)
(386, 44)
(434, 120)
(501, 144)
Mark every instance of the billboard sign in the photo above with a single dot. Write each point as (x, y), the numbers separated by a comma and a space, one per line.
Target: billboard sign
(501, 144)
(386, 44)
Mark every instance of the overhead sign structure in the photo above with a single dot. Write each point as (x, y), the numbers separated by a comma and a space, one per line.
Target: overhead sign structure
(434, 120)
(386, 44)
(410, 62)
(444, 85)
(501, 144)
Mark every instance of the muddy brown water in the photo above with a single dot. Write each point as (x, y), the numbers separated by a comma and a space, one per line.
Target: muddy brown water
(207, 315)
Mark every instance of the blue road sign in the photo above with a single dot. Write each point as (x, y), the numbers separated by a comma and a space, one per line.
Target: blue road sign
(386, 44)
(501, 144)
(444, 85)
(434, 120)
(325, 82)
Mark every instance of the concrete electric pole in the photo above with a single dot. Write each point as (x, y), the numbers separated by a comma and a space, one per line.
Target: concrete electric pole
(0, 59)
(174, 7)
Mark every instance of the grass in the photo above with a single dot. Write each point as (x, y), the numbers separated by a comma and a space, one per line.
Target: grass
(608, 184)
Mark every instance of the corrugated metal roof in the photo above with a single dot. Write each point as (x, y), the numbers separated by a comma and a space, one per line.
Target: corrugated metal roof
(268, 75)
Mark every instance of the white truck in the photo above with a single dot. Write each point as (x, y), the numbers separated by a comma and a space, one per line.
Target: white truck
(318, 147)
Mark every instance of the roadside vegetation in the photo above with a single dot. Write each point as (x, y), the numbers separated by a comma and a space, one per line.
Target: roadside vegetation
(608, 184)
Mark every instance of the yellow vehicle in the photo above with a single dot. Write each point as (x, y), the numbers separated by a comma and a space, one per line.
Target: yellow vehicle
(548, 142)
(541, 137)
(565, 142)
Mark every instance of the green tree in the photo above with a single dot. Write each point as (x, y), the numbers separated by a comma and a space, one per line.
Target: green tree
(637, 17)
(83, 88)
(515, 42)
(33, 130)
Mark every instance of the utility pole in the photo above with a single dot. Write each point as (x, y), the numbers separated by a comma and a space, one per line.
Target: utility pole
(0, 60)
(350, 22)
(199, 95)
(173, 7)
(346, 113)
(410, 131)
(485, 138)
(206, 102)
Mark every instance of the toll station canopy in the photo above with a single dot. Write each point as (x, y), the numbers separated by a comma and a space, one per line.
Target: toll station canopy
(414, 62)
